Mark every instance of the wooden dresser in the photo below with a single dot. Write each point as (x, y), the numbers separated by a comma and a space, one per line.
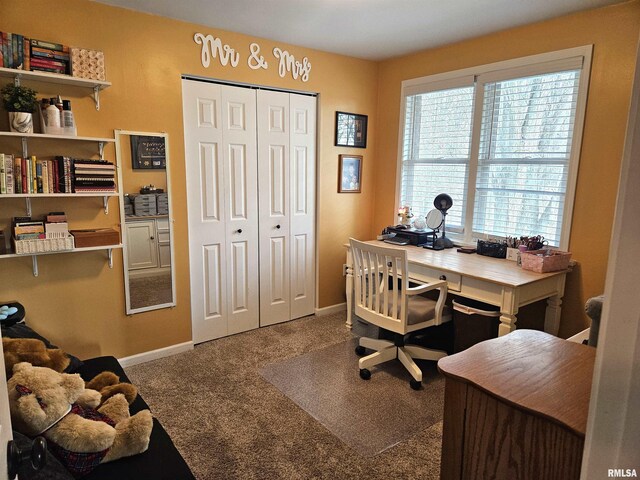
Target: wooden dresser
(516, 408)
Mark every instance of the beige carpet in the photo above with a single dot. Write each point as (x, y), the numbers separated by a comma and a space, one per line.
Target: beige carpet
(369, 416)
(230, 423)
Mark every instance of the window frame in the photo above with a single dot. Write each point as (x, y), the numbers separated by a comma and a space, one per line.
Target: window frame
(515, 68)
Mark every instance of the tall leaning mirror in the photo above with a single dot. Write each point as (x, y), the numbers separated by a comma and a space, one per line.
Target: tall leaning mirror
(147, 228)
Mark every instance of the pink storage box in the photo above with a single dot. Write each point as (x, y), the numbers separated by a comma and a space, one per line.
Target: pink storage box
(537, 261)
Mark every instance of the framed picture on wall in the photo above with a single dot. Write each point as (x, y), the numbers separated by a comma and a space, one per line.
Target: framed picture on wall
(148, 153)
(351, 130)
(349, 173)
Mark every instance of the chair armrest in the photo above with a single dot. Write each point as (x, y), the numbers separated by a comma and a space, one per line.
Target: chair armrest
(427, 287)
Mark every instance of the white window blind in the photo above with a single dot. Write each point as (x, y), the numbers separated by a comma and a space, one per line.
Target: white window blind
(525, 147)
(436, 150)
(502, 140)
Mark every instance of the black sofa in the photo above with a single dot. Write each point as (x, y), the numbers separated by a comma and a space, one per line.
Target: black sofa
(161, 461)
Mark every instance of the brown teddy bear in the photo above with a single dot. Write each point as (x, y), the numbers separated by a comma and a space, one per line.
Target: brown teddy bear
(60, 408)
(35, 352)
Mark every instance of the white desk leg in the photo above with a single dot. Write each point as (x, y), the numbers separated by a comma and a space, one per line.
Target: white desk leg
(349, 287)
(508, 311)
(349, 292)
(507, 324)
(552, 315)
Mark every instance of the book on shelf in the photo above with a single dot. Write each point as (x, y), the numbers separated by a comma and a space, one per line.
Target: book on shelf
(56, 217)
(44, 53)
(8, 168)
(49, 45)
(3, 177)
(17, 173)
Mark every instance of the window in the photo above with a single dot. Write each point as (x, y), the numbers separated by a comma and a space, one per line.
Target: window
(503, 141)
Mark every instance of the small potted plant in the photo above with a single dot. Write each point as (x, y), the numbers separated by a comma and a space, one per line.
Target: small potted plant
(20, 102)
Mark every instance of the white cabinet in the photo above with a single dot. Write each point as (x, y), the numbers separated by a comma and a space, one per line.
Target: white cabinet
(250, 165)
(148, 245)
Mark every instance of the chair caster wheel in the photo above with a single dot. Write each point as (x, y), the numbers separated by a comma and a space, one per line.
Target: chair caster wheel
(415, 384)
(360, 350)
(365, 374)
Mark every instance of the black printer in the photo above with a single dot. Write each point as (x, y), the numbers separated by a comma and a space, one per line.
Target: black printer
(414, 237)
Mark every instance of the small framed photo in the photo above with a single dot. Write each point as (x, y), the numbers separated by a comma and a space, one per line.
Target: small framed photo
(349, 173)
(148, 153)
(351, 130)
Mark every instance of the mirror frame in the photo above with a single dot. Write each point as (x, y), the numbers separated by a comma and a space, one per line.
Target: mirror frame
(125, 254)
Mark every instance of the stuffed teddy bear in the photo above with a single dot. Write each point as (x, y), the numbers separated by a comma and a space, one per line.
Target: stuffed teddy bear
(34, 351)
(58, 407)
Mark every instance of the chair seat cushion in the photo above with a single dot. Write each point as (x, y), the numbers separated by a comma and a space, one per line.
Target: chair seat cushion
(421, 309)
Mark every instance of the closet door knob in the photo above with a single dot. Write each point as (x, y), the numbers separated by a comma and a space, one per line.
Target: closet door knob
(239, 230)
(443, 277)
(278, 226)
(152, 238)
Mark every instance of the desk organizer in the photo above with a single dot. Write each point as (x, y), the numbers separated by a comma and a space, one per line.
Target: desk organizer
(543, 261)
(492, 249)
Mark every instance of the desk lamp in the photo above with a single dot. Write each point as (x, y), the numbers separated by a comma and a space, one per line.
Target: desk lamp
(443, 202)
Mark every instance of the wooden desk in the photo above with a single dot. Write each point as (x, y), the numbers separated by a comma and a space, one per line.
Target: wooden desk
(495, 281)
(516, 407)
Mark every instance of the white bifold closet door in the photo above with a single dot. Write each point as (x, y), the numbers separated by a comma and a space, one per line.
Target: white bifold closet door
(286, 186)
(222, 200)
(250, 166)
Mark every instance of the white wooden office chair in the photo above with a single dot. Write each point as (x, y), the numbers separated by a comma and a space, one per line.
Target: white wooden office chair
(384, 298)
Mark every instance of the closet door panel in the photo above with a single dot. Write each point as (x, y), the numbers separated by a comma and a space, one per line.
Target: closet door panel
(206, 208)
(303, 181)
(273, 187)
(241, 200)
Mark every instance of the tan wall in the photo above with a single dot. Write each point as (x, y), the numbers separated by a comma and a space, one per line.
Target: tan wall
(614, 33)
(77, 301)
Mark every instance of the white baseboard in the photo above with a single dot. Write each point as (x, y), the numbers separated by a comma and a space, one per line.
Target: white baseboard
(340, 307)
(155, 354)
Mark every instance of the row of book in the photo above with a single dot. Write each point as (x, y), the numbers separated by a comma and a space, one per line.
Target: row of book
(18, 51)
(60, 175)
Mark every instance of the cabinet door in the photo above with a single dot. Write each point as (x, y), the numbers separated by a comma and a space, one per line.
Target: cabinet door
(273, 189)
(164, 242)
(303, 207)
(142, 249)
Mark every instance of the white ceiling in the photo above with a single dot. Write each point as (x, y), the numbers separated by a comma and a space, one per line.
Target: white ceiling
(371, 29)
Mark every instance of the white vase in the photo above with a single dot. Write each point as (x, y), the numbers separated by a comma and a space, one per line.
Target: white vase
(21, 122)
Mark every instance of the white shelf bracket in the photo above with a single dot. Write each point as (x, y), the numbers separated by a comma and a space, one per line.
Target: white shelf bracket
(16, 80)
(27, 206)
(110, 257)
(101, 150)
(105, 204)
(34, 260)
(25, 148)
(96, 96)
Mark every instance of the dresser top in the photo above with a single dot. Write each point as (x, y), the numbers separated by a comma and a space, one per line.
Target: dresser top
(532, 371)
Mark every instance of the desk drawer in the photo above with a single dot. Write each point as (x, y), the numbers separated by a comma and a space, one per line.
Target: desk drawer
(426, 274)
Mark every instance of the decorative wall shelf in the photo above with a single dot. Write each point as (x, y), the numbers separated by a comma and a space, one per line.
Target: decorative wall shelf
(34, 256)
(56, 78)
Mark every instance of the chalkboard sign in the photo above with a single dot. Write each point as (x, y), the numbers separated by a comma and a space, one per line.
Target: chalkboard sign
(148, 152)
